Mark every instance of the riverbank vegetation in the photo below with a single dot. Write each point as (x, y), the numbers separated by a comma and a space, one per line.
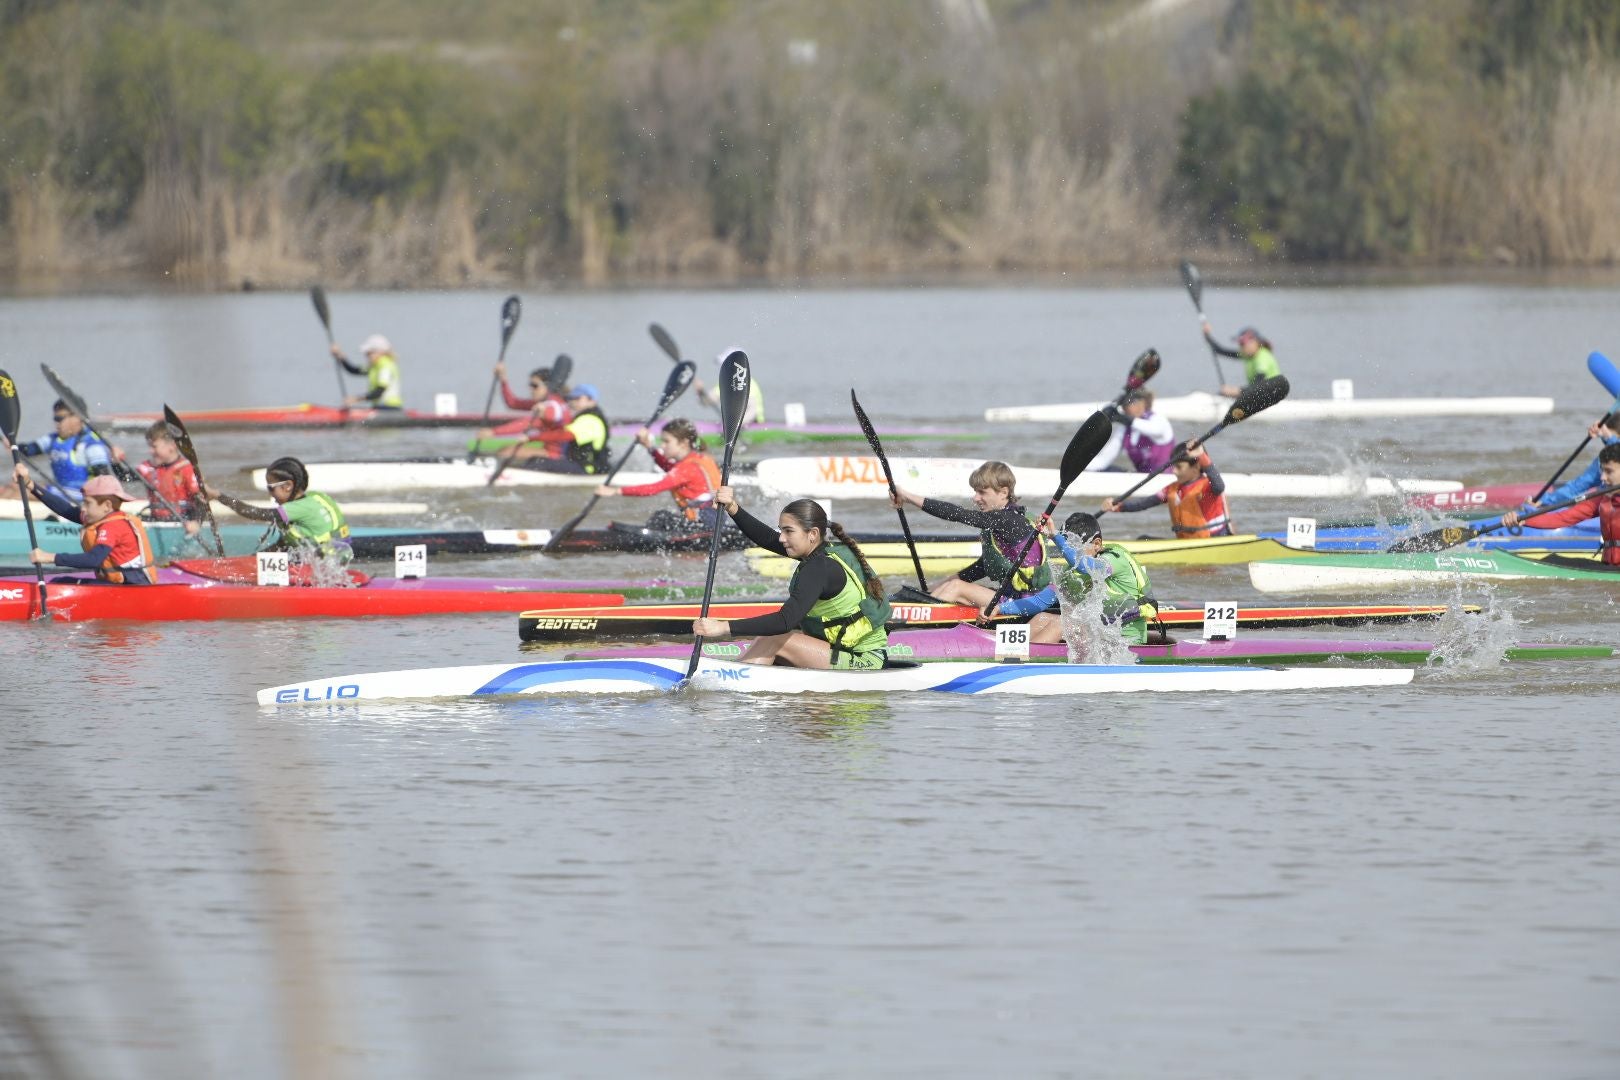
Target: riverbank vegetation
(417, 142)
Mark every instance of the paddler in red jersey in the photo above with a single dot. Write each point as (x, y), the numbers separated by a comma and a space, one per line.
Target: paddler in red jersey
(548, 412)
(1604, 507)
(115, 543)
(173, 477)
(690, 476)
(1197, 498)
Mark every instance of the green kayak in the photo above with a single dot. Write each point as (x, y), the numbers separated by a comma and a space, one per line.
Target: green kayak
(1347, 572)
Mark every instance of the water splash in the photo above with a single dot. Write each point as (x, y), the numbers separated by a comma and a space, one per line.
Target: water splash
(1465, 643)
(1090, 640)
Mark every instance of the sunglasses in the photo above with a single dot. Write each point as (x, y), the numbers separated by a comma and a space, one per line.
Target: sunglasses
(277, 484)
(59, 417)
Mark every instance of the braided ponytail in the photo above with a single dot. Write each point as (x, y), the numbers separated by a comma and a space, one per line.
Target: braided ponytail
(811, 515)
(874, 587)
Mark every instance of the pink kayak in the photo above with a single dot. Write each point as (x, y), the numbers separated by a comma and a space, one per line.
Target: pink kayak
(1497, 497)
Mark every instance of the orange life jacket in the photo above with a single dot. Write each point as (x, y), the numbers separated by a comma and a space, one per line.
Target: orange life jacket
(131, 550)
(1195, 510)
(690, 504)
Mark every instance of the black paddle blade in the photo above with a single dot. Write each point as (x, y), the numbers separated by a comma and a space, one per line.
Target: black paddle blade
(1088, 441)
(181, 437)
(10, 408)
(665, 342)
(1257, 397)
(680, 377)
(735, 379)
(317, 296)
(1194, 283)
(561, 369)
(1437, 540)
(866, 424)
(65, 392)
(1145, 367)
(511, 311)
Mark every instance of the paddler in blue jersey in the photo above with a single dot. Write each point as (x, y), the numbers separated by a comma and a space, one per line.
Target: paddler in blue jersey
(1606, 431)
(835, 608)
(1126, 602)
(76, 454)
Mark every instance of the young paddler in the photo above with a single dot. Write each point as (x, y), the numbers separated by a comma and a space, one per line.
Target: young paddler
(1126, 602)
(1606, 508)
(835, 609)
(76, 453)
(690, 476)
(381, 369)
(1259, 362)
(1003, 528)
(1196, 498)
(311, 522)
(173, 478)
(1607, 432)
(547, 409)
(115, 544)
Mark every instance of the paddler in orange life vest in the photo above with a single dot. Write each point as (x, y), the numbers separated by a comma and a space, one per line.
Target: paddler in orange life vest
(690, 476)
(115, 543)
(1606, 508)
(173, 477)
(1197, 497)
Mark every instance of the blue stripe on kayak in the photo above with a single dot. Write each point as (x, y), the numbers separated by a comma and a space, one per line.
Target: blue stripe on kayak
(978, 681)
(518, 679)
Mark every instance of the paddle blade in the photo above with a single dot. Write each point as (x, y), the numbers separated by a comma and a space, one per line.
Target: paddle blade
(735, 379)
(1194, 282)
(680, 377)
(317, 296)
(1145, 367)
(1437, 540)
(665, 342)
(10, 408)
(1257, 397)
(1088, 441)
(65, 392)
(181, 437)
(1603, 370)
(561, 370)
(511, 311)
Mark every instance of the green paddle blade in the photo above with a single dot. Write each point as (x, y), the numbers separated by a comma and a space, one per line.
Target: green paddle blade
(10, 408)
(511, 311)
(665, 342)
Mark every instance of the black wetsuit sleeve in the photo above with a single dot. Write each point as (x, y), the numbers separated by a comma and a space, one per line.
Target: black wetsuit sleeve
(947, 511)
(376, 393)
(1139, 502)
(352, 369)
(820, 578)
(1217, 485)
(57, 504)
(1222, 350)
(248, 510)
(761, 534)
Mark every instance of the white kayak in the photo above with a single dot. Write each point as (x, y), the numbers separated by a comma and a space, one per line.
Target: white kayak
(630, 676)
(1207, 408)
(338, 477)
(11, 509)
(840, 476)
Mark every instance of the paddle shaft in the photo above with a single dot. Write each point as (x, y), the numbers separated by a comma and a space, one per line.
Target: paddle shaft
(317, 296)
(33, 539)
(1481, 530)
(714, 561)
(182, 439)
(1567, 463)
(1195, 289)
(736, 380)
(888, 474)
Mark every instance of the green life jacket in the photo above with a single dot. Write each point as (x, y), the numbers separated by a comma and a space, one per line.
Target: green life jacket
(384, 372)
(852, 621)
(589, 448)
(998, 567)
(314, 519)
(1262, 365)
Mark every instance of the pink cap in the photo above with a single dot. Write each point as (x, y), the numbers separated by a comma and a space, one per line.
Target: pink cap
(104, 486)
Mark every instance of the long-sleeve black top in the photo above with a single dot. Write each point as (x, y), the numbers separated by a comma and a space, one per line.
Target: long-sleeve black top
(820, 577)
(1008, 525)
(1222, 350)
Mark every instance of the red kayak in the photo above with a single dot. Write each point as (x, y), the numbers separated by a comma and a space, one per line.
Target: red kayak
(304, 416)
(1498, 497)
(182, 595)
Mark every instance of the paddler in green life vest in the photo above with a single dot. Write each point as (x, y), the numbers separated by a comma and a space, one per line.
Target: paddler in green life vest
(383, 389)
(1126, 600)
(312, 524)
(1255, 351)
(835, 609)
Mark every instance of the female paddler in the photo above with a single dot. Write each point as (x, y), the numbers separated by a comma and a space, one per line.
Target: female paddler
(835, 609)
(690, 476)
(311, 523)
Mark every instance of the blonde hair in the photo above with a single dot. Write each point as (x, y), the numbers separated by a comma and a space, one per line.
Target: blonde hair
(994, 474)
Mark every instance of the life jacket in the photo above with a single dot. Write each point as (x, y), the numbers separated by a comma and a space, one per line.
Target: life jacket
(1127, 588)
(1195, 511)
(1262, 365)
(1031, 576)
(852, 621)
(711, 476)
(589, 447)
(131, 561)
(176, 482)
(326, 530)
(70, 460)
(1147, 455)
(384, 372)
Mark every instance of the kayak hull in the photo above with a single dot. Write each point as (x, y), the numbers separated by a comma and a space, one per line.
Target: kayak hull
(1207, 408)
(953, 677)
(1359, 573)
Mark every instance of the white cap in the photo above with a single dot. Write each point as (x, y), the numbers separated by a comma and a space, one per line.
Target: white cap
(376, 343)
